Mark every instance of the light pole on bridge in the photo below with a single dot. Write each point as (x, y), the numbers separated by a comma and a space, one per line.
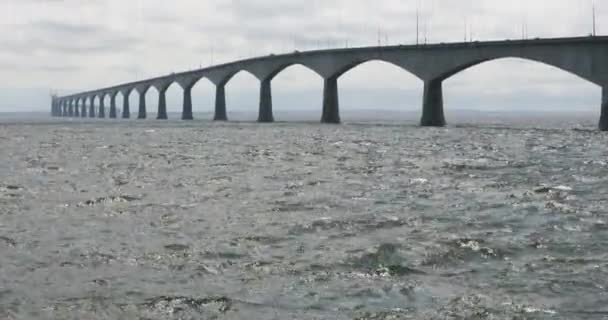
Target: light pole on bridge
(594, 33)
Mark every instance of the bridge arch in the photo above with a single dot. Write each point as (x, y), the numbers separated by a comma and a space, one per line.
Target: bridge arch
(237, 73)
(556, 63)
(151, 94)
(297, 88)
(282, 67)
(533, 85)
(571, 59)
(203, 95)
(360, 62)
(247, 86)
(361, 98)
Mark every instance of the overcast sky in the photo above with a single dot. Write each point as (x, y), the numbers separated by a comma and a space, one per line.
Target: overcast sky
(75, 45)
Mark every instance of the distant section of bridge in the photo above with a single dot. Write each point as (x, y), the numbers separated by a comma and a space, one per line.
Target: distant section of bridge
(586, 57)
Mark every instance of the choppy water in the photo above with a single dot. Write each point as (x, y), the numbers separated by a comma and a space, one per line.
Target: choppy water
(176, 220)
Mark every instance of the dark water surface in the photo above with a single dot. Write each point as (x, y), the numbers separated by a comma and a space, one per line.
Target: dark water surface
(200, 220)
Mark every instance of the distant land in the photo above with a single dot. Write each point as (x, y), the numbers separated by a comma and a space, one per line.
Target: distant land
(454, 116)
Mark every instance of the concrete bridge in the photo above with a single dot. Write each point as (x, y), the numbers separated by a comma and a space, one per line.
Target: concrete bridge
(586, 57)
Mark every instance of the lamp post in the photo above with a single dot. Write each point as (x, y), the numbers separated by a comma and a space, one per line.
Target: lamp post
(418, 23)
(594, 33)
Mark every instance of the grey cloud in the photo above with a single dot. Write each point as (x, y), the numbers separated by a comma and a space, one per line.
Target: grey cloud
(36, 68)
(64, 38)
(55, 27)
(267, 10)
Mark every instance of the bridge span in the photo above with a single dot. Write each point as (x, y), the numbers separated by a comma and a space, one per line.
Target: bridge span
(586, 57)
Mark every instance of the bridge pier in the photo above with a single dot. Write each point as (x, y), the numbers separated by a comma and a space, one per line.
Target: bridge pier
(432, 109)
(142, 106)
(92, 108)
(331, 104)
(162, 105)
(102, 108)
(265, 112)
(126, 113)
(604, 116)
(70, 109)
(76, 109)
(64, 108)
(187, 110)
(83, 108)
(220, 103)
(113, 106)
